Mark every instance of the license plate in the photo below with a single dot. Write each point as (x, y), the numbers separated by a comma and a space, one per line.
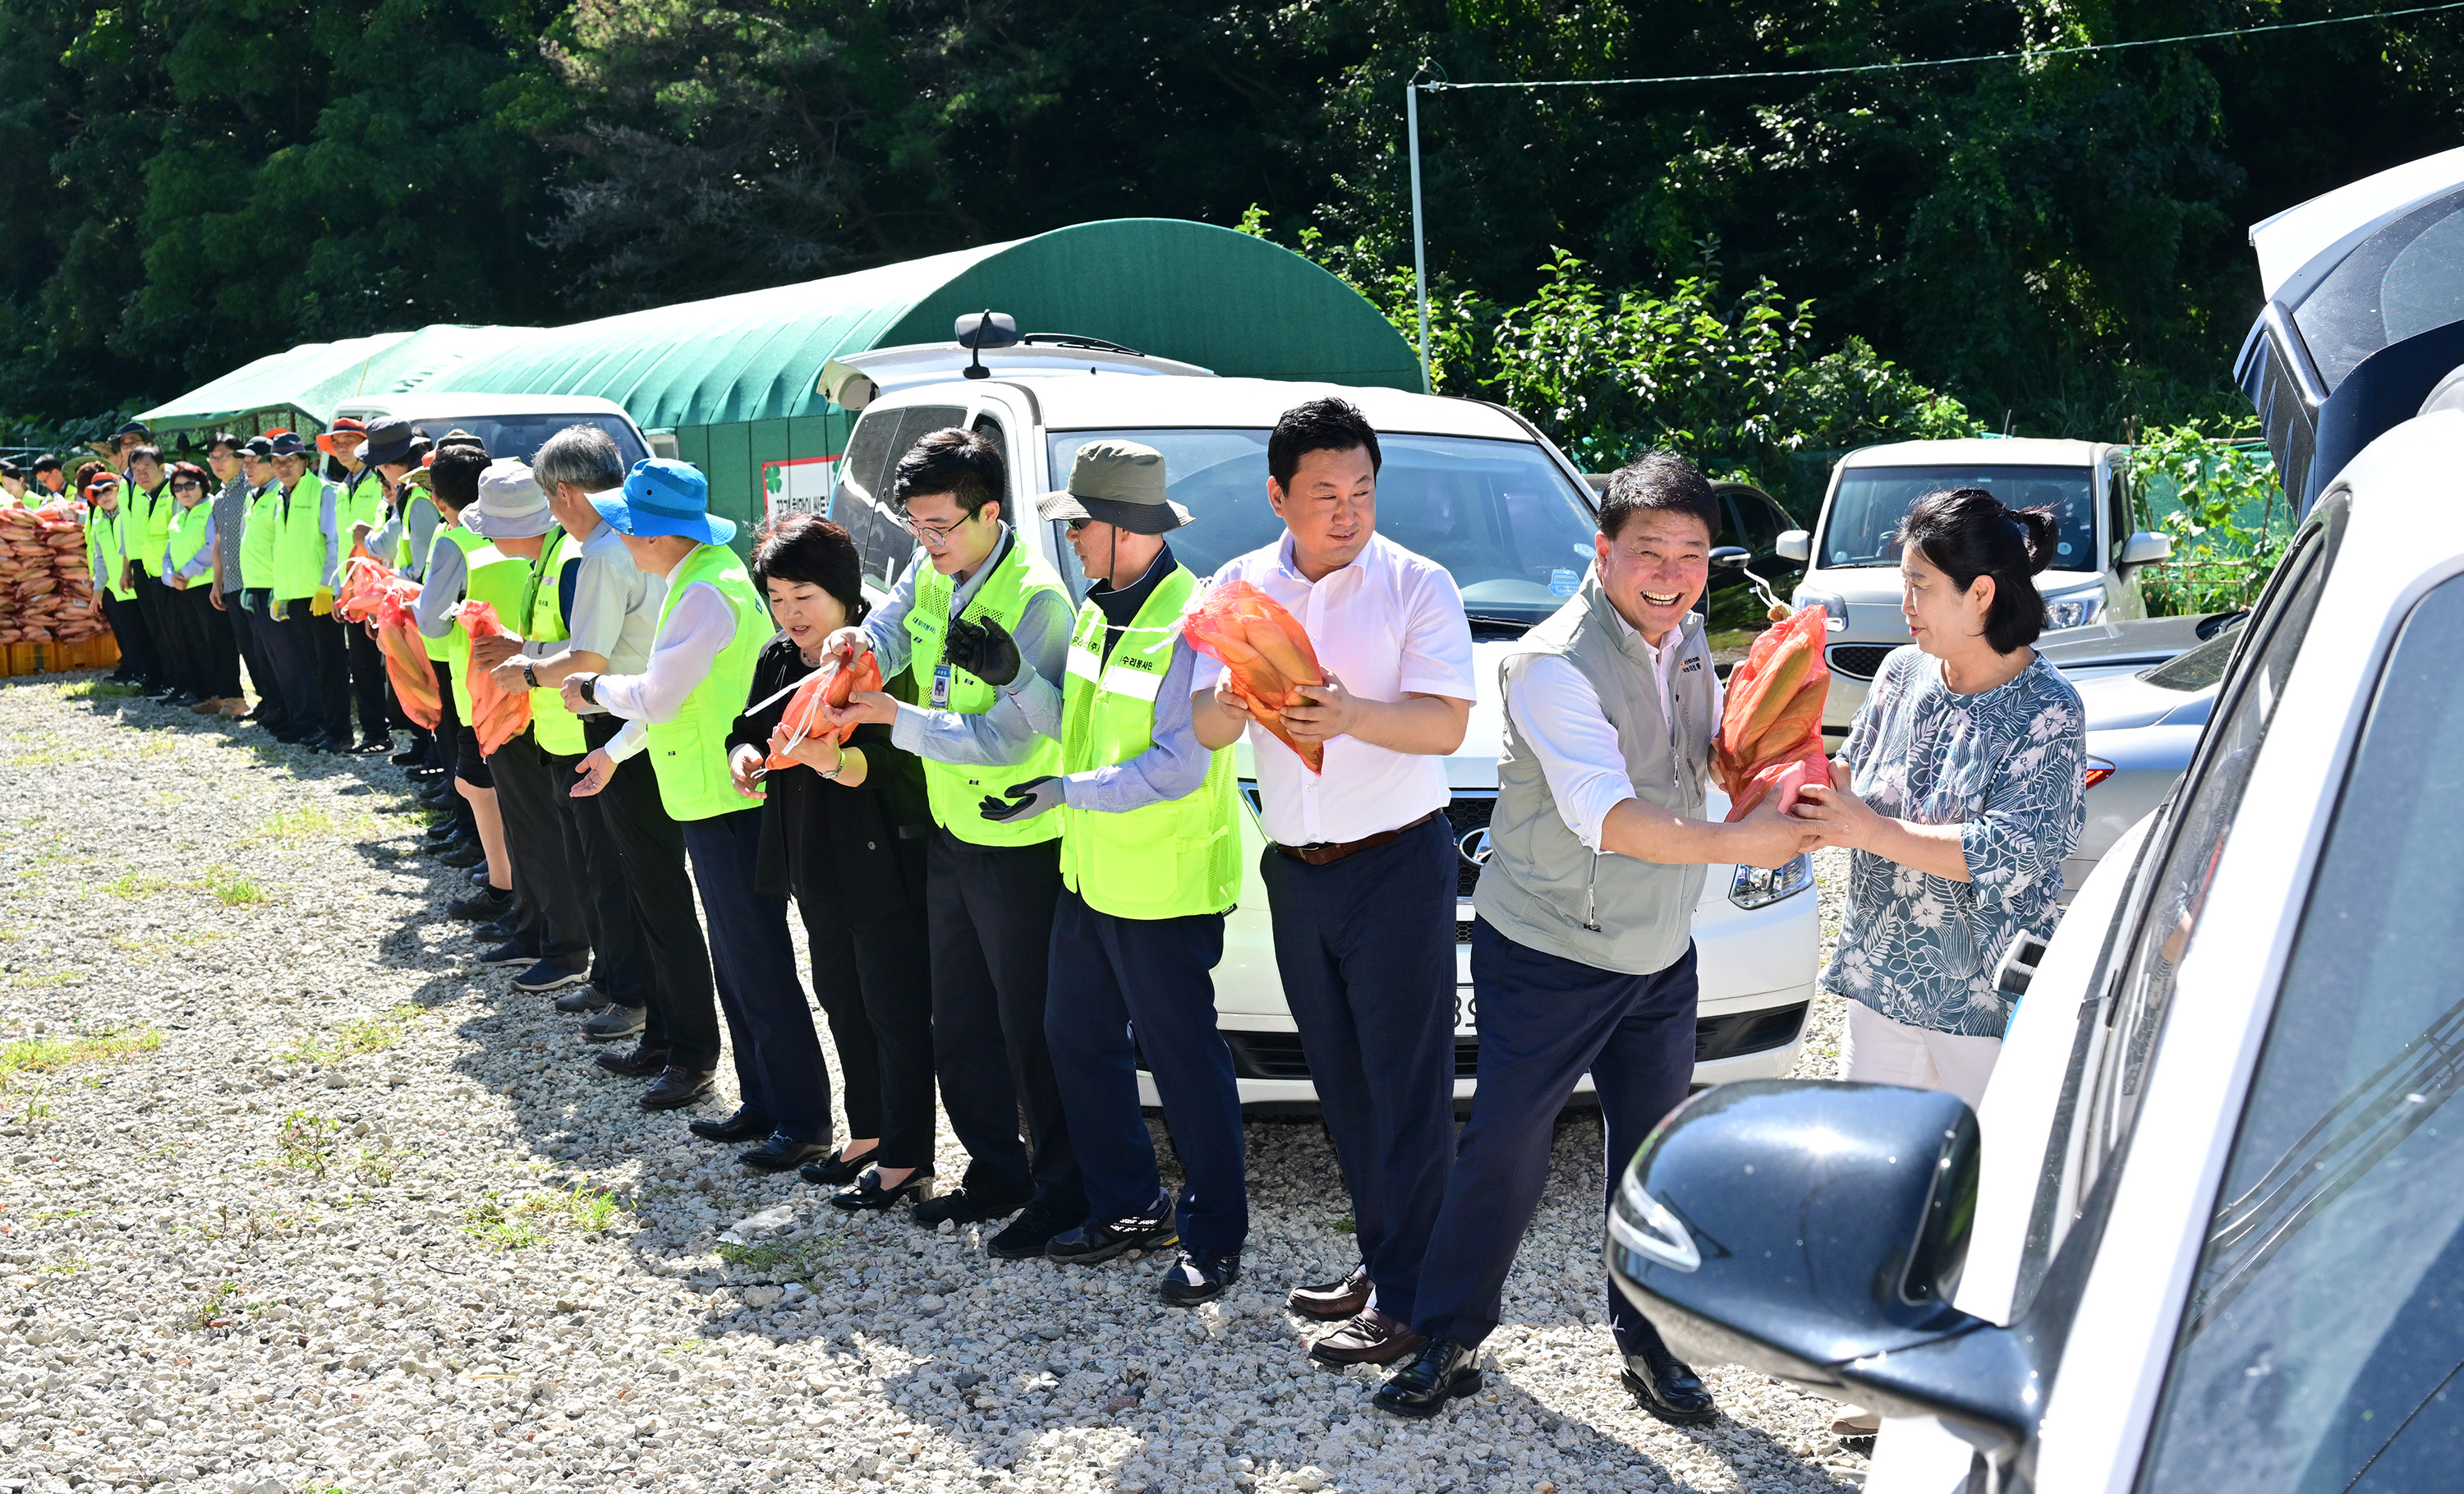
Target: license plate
(1466, 1010)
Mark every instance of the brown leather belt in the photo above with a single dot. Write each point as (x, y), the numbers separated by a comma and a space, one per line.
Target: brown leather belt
(1327, 852)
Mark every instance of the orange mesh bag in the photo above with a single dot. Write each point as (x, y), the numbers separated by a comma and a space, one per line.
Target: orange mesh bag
(498, 715)
(364, 581)
(1267, 652)
(405, 654)
(833, 685)
(1771, 727)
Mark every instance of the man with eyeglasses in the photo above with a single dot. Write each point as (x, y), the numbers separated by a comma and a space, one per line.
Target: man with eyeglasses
(975, 613)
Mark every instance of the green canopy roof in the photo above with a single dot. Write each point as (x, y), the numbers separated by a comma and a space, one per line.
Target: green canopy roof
(292, 379)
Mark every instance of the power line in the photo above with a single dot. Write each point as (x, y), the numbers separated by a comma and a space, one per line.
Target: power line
(1949, 62)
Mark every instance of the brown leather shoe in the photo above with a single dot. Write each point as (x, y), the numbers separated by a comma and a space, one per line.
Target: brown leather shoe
(212, 705)
(676, 1089)
(1371, 1337)
(1333, 1300)
(635, 1061)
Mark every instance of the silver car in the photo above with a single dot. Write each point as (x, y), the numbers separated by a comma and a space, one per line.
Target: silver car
(2141, 727)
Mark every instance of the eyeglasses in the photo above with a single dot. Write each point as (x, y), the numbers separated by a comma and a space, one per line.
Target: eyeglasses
(188, 487)
(933, 535)
(1078, 525)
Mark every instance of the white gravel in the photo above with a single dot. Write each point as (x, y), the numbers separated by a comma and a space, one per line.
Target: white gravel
(460, 1258)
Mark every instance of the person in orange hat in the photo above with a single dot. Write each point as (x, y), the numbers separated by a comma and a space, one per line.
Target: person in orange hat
(361, 501)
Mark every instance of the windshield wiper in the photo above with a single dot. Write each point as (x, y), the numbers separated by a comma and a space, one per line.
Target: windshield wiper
(1484, 620)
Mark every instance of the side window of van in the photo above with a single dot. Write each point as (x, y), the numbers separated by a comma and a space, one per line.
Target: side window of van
(862, 504)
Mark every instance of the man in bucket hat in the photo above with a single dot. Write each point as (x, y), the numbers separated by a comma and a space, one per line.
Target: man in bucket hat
(362, 503)
(711, 626)
(1149, 863)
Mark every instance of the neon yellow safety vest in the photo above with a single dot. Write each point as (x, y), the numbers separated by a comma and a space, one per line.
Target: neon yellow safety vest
(137, 511)
(191, 528)
(958, 793)
(362, 503)
(1162, 861)
(404, 560)
(159, 505)
(299, 540)
(690, 753)
(558, 731)
(496, 578)
(259, 527)
(105, 549)
(441, 648)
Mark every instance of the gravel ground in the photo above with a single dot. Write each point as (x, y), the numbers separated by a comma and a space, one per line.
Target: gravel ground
(316, 1204)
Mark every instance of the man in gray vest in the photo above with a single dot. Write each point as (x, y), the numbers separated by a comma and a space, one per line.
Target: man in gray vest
(1582, 956)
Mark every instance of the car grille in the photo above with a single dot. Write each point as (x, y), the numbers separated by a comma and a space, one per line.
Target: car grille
(1467, 822)
(1857, 661)
(1278, 1055)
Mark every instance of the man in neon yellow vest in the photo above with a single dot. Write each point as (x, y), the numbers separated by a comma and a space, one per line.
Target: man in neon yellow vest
(678, 710)
(454, 564)
(145, 498)
(305, 553)
(990, 889)
(362, 504)
(1149, 863)
(107, 549)
(266, 645)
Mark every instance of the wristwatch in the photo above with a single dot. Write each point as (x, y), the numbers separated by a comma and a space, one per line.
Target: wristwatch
(585, 683)
(530, 675)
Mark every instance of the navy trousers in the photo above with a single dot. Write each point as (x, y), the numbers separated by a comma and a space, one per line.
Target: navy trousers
(247, 630)
(1153, 978)
(128, 628)
(370, 688)
(779, 1067)
(592, 852)
(1544, 1022)
(291, 648)
(550, 916)
(1367, 950)
(330, 645)
(676, 992)
(990, 912)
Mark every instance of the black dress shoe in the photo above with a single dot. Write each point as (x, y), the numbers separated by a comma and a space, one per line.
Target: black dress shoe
(1663, 1385)
(1333, 1301)
(443, 830)
(839, 1171)
(1101, 1240)
(869, 1197)
(582, 1000)
(677, 1088)
(1444, 1371)
(781, 1152)
(1031, 1234)
(410, 757)
(446, 848)
(1197, 1278)
(465, 855)
(744, 1124)
(1369, 1337)
(972, 1205)
(635, 1062)
(372, 747)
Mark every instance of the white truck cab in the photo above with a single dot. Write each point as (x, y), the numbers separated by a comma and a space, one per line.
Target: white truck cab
(1469, 485)
(1852, 558)
(512, 425)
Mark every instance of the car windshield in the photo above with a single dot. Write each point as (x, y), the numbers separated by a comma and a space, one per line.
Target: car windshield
(2198, 667)
(522, 435)
(1498, 514)
(1865, 512)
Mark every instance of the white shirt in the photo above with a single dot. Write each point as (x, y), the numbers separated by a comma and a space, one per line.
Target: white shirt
(1389, 624)
(1559, 715)
(697, 627)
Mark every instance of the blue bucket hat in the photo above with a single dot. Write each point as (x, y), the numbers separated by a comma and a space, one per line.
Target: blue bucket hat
(661, 497)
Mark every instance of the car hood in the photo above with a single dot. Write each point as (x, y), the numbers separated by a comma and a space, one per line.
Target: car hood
(2117, 702)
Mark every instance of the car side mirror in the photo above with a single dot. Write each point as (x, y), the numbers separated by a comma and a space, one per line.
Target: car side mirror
(2146, 549)
(1730, 557)
(1815, 1231)
(1794, 544)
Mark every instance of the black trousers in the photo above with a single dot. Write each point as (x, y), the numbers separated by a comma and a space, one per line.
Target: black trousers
(590, 850)
(290, 640)
(1366, 946)
(682, 1013)
(874, 981)
(779, 1067)
(180, 639)
(330, 646)
(255, 631)
(213, 654)
(548, 916)
(1545, 1021)
(1154, 976)
(370, 686)
(162, 655)
(128, 628)
(989, 908)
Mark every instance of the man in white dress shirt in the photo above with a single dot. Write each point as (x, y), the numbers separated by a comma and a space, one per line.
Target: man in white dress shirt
(1360, 879)
(1582, 956)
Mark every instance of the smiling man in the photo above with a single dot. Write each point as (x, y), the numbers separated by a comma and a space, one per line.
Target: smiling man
(1582, 956)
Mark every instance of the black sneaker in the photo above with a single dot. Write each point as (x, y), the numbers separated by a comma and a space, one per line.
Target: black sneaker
(446, 829)
(465, 855)
(372, 746)
(616, 1022)
(508, 953)
(484, 906)
(498, 930)
(580, 1000)
(410, 757)
(452, 844)
(1196, 1278)
(1100, 1240)
(972, 1205)
(548, 976)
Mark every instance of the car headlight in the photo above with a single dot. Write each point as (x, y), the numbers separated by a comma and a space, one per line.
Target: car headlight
(2075, 611)
(1755, 887)
(1834, 609)
(1644, 1225)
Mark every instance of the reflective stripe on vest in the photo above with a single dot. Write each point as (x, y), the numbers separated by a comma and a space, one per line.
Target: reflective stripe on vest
(1171, 860)
(690, 753)
(558, 729)
(957, 792)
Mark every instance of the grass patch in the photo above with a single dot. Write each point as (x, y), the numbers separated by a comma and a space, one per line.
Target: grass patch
(51, 1055)
(35, 980)
(307, 1140)
(367, 1034)
(795, 1259)
(95, 690)
(304, 824)
(209, 1312)
(515, 1225)
(236, 892)
(504, 1228)
(1342, 1224)
(132, 884)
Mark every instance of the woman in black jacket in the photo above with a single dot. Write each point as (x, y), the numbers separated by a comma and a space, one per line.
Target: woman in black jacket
(844, 830)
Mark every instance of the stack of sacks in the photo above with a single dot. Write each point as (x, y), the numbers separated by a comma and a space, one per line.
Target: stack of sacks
(46, 589)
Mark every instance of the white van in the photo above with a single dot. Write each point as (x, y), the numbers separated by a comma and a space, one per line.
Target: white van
(1853, 570)
(512, 425)
(1471, 486)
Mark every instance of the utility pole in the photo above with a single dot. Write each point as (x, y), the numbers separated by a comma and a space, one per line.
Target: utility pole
(1419, 252)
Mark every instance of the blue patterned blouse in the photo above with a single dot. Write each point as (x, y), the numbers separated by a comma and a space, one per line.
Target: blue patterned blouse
(2009, 765)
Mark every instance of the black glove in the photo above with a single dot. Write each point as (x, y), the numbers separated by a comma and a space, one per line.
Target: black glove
(984, 649)
(1026, 800)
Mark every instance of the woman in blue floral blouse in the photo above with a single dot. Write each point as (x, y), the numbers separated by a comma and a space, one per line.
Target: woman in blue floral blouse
(1961, 790)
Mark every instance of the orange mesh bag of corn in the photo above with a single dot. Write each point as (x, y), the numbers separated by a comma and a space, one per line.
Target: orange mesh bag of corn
(1267, 652)
(1771, 727)
(498, 715)
(364, 583)
(396, 623)
(832, 685)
